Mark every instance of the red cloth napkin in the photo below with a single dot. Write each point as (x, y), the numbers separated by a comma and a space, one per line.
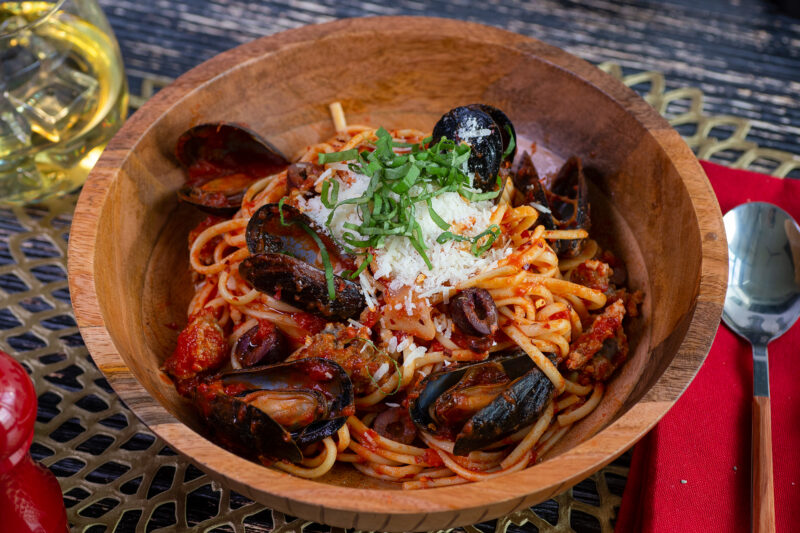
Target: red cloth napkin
(692, 471)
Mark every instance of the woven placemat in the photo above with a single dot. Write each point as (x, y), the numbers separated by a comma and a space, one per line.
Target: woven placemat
(117, 476)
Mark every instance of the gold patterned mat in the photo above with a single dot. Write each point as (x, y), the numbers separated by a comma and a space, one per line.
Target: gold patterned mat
(116, 476)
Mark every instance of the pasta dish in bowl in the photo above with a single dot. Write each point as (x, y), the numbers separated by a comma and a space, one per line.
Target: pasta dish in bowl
(424, 307)
(409, 304)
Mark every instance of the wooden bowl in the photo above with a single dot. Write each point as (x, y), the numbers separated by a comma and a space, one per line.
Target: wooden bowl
(128, 258)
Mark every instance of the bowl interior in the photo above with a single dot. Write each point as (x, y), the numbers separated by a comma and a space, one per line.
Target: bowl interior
(405, 76)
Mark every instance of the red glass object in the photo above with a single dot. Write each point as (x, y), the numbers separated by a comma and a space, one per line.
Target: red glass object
(30, 497)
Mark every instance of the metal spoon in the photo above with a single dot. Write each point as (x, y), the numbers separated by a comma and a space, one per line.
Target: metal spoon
(762, 303)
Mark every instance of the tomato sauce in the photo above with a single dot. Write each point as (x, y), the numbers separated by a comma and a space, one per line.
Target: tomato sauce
(431, 458)
(308, 322)
(202, 347)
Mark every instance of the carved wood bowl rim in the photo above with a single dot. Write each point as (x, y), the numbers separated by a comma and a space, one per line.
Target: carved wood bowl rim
(380, 509)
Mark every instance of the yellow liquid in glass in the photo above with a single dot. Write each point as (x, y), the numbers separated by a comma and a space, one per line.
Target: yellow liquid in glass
(63, 95)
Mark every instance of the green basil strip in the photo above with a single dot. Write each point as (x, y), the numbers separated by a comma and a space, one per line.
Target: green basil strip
(335, 157)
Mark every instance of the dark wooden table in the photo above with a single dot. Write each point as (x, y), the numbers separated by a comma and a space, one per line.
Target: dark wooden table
(744, 55)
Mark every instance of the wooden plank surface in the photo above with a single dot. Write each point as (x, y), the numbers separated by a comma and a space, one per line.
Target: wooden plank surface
(743, 54)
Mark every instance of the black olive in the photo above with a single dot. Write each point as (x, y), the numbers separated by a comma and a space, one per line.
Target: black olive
(474, 312)
(261, 345)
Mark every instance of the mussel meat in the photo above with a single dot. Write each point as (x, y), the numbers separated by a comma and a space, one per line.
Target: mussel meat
(275, 411)
(479, 404)
(221, 161)
(477, 125)
(359, 357)
(527, 181)
(565, 205)
(569, 200)
(286, 263)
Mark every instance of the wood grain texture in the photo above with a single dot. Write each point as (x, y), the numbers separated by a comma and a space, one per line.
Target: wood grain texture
(763, 490)
(744, 55)
(124, 263)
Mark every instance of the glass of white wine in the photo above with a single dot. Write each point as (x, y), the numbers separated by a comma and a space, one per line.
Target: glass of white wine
(63, 95)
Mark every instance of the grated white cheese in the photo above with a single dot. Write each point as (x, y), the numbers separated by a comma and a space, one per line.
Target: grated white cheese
(391, 346)
(368, 288)
(411, 353)
(322, 177)
(470, 130)
(355, 323)
(382, 370)
(398, 264)
(408, 342)
(443, 325)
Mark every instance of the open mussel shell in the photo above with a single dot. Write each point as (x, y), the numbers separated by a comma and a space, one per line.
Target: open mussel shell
(527, 181)
(570, 204)
(564, 206)
(218, 196)
(302, 285)
(241, 415)
(222, 160)
(475, 127)
(519, 404)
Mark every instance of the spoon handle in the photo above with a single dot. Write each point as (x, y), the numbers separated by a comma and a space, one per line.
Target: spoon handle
(762, 495)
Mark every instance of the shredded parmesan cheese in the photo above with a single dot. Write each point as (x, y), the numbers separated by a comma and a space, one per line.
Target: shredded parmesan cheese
(398, 264)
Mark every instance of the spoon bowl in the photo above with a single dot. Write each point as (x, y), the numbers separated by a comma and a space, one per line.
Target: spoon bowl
(763, 298)
(762, 303)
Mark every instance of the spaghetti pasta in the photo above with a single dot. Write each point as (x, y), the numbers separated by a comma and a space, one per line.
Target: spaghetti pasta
(430, 285)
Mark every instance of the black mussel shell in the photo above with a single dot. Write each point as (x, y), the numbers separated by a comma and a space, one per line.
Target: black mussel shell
(302, 285)
(252, 431)
(218, 196)
(221, 161)
(249, 431)
(527, 181)
(518, 406)
(476, 128)
(507, 130)
(569, 200)
(268, 233)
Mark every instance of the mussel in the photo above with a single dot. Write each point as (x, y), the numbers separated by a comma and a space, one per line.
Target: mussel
(275, 411)
(565, 205)
(507, 132)
(286, 262)
(569, 200)
(479, 404)
(527, 181)
(488, 132)
(359, 357)
(221, 161)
